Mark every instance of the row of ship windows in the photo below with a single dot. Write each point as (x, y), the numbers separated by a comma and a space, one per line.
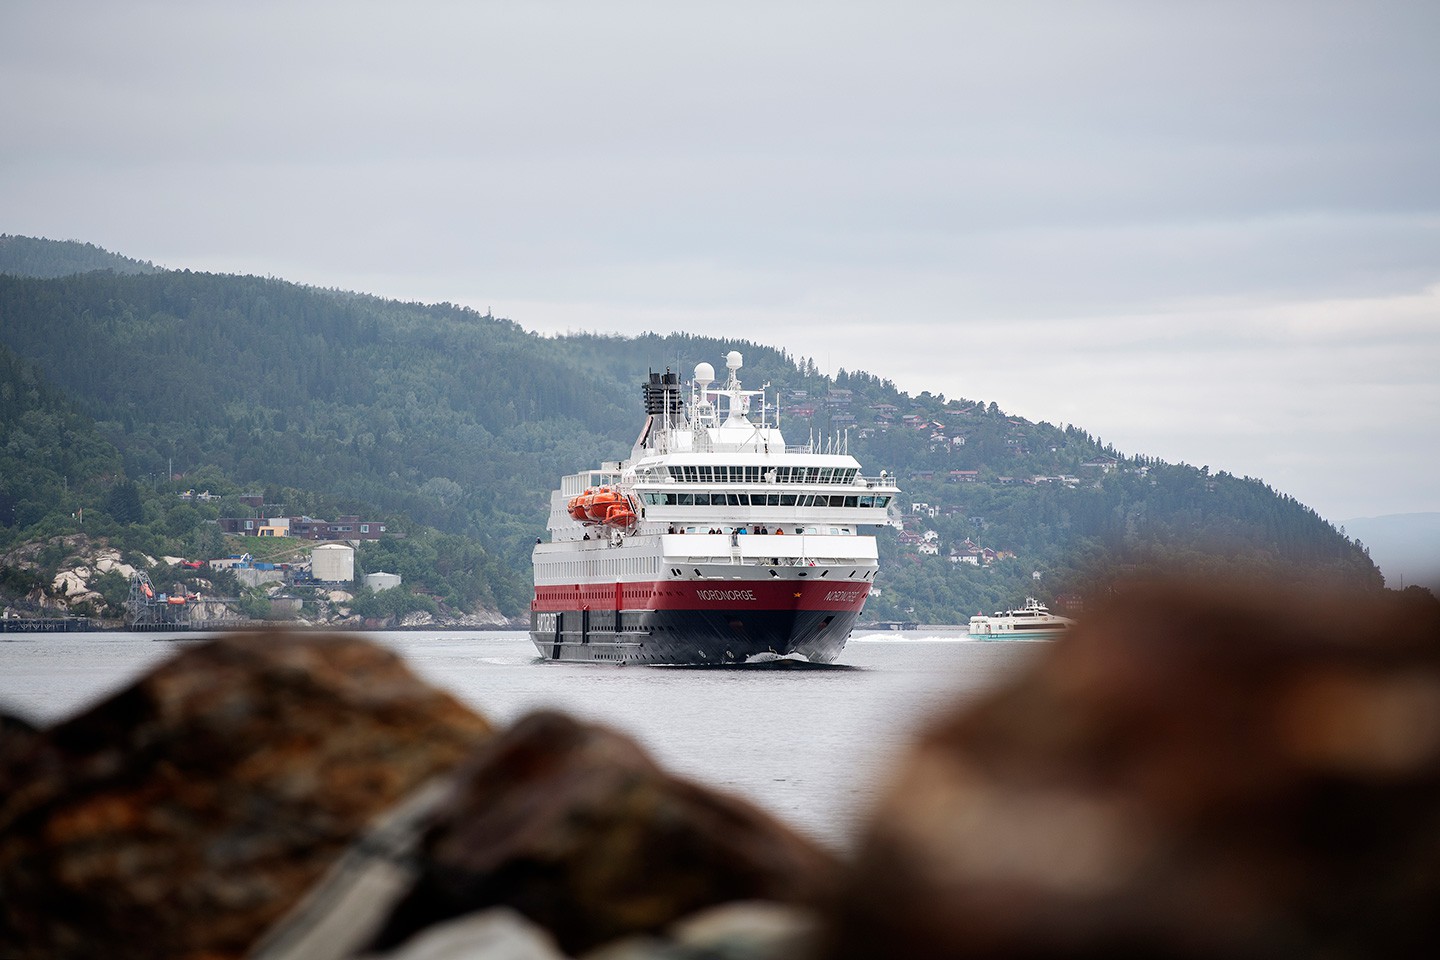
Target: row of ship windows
(701, 473)
(568, 571)
(716, 499)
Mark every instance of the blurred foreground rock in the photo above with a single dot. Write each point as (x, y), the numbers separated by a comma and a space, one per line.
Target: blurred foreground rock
(182, 816)
(1193, 773)
(576, 828)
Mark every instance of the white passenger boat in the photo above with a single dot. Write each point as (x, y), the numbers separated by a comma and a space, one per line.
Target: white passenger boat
(1034, 621)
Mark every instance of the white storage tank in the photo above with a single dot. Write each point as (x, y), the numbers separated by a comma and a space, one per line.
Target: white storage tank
(333, 563)
(379, 580)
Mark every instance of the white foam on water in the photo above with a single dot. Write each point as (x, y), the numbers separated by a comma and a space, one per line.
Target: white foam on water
(897, 636)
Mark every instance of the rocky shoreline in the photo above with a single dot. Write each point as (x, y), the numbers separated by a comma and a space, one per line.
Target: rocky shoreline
(1193, 772)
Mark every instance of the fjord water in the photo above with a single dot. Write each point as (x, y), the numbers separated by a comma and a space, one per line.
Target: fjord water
(812, 746)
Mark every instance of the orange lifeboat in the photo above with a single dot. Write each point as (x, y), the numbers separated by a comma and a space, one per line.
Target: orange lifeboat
(578, 505)
(599, 506)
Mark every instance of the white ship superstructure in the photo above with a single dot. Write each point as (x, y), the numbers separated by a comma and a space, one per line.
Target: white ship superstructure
(715, 543)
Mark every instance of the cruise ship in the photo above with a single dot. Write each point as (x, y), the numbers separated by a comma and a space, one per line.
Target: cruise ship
(715, 543)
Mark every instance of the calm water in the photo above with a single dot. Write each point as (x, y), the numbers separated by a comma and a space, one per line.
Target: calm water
(812, 746)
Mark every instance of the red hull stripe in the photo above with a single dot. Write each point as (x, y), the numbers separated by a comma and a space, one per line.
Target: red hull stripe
(706, 595)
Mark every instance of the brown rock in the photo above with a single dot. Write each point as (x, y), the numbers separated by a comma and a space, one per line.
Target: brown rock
(183, 815)
(1193, 773)
(17, 737)
(575, 827)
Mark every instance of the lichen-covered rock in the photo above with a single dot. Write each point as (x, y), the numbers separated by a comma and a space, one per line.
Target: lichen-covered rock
(183, 815)
(574, 826)
(1192, 773)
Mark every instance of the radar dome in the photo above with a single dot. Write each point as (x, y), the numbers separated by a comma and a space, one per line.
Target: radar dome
(733, 360)
(704, 373)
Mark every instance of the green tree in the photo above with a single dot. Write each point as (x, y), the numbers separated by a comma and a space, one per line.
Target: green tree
(123, 503)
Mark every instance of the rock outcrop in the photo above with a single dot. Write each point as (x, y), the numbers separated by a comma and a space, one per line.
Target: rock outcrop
(575, 827)
(1192, 773)
(182, 816)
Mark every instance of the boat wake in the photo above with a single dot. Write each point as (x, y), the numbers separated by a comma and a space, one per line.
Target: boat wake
(763, 662)
(891, 636)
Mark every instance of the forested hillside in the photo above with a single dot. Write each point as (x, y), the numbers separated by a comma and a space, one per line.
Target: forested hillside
(437, 416)
(32, 257)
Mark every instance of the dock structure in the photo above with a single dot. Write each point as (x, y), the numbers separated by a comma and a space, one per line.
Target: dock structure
(149, 610)
(48, 625)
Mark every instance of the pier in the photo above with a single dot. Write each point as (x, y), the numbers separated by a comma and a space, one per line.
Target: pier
(49, 625)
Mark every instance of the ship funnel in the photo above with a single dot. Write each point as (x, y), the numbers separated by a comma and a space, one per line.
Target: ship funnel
(662, 394)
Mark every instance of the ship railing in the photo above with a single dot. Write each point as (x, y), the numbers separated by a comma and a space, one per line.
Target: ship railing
(752, 561)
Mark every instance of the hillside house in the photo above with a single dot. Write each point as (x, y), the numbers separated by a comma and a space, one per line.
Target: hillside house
(968, 551)
(343, 528)
(304, 528)
(240, 526)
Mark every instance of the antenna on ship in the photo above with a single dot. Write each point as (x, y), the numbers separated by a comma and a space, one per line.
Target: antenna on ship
(704, 376)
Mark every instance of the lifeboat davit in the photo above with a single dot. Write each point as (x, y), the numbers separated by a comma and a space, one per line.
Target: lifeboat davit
(599, 506)
(620, 514)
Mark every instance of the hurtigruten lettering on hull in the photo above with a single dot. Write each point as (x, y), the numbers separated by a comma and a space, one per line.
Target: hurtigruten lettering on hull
(714, 543)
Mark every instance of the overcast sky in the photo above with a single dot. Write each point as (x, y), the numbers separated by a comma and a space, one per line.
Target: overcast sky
(1208, 232)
